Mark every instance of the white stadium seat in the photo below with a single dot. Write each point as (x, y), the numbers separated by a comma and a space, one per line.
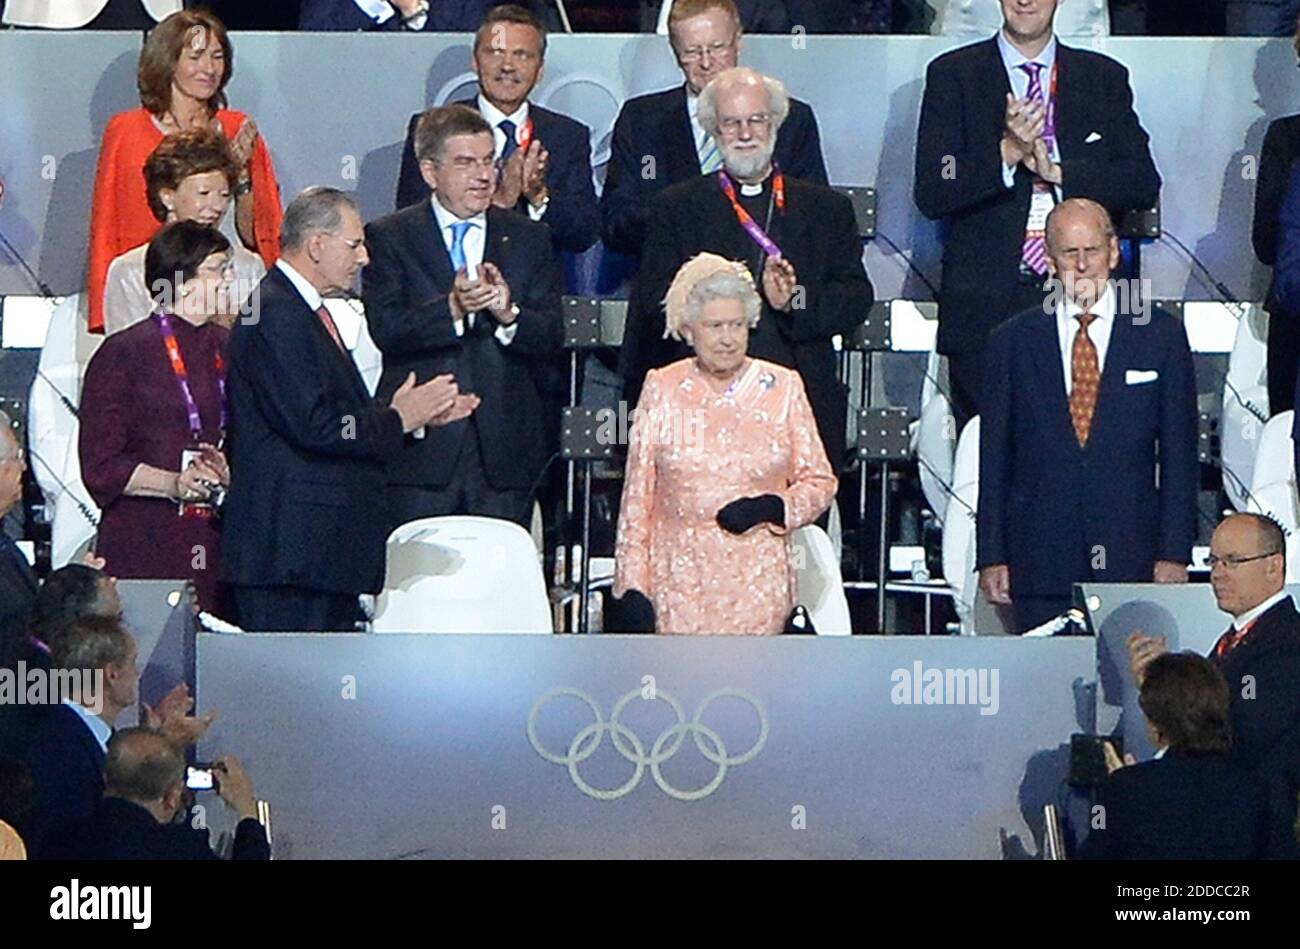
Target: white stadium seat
(821, 586)
(462, 575)
(959, 526)
(1275, 455)
(1245, 403)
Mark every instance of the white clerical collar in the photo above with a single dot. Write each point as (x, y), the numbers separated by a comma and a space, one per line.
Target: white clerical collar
(446, 219)
(1245, 619)
(751, 191)
(495, 116)
(305, 288)
(98, 727)
(1013, 58)
(1103, 309)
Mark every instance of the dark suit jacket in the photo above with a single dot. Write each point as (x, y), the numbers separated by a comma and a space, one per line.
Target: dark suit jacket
(308, 455)
(959, 172)
(445, 16)
(1045, 505)
(67, 767)
(657, 127)
(122, 830)
(1179, 808)
(817, 234)
(756, 16)
(1280, 150)
(571, 214)
(18, 585)
(406, 286)
(1270, 657)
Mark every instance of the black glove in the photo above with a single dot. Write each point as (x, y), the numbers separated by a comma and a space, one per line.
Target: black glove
(743, 513)
(799, 622)
(631, 613)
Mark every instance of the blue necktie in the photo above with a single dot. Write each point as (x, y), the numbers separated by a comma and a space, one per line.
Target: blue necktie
(458, 232)
(509, 148)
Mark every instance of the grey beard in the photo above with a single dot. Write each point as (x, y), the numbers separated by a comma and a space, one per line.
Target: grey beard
(751, 165)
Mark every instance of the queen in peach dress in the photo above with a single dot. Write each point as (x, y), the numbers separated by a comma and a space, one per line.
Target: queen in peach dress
(724, 461)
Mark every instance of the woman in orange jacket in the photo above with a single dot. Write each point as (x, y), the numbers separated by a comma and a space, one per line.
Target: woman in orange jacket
(182, 74)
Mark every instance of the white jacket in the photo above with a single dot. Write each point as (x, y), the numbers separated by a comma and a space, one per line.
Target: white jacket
(73, 14)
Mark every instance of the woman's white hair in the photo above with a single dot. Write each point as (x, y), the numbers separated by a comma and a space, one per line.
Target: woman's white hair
(778, 99)
(721, 280)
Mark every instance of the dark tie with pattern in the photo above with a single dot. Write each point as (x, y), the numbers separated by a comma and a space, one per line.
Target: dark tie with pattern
(509, 148)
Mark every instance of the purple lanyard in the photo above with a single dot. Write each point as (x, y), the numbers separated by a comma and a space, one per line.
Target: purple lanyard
(746, 219)
(182, 375)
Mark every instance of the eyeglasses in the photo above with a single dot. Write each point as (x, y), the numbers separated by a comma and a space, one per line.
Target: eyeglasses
(1232, 562)
(715, 51)
(224, 267)
(760, 120)
(351, 244)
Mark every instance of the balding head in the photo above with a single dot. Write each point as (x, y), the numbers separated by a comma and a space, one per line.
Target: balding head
(143, 767)
(1248, 562)
(1082, 250)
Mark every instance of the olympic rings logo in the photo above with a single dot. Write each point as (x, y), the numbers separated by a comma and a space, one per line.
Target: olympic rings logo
(628, 744)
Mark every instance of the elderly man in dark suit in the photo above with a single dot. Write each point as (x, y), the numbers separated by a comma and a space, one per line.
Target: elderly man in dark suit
(458, 285)
(798, 238)
(545, 156)
(144, 790)
(1259, 654)
(1081, 395)
(659, 140)
(1010, 127)
(17, 579)
(304, 523)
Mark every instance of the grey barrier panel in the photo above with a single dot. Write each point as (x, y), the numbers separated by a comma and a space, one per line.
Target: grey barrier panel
(1185, 614)
(334, 107)
(158, 614)
(431, 756)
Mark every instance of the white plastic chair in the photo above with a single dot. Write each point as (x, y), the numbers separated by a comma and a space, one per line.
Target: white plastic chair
(52, 429)
(462, 575)
(1278, 500)
(933, 440)
(1275, 455)
(1245, 401)
(959, 526)
(821, 585)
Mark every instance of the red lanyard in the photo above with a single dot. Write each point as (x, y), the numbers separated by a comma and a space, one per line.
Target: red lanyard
(183, 377)
(1232, 640)
(747, 221)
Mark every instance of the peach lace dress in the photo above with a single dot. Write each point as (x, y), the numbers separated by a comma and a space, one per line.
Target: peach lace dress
(694, 450)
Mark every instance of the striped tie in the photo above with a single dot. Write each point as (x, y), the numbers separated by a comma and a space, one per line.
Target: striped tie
(710, 157)
(1034, 253)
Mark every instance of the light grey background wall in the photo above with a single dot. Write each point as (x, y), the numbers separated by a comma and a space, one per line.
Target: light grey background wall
(334, 109)
(435, 738)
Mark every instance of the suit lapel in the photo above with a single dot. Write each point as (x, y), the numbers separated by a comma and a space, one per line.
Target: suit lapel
(323, 338)
(679, 140)
(1067, 115)
(1119, 356)
(1045, 355)
(435, 259)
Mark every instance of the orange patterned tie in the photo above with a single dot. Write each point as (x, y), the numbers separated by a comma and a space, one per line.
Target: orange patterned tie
(1085, 379)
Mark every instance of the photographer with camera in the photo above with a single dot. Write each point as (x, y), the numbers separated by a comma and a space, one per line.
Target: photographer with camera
(154, 418)
(144, 791)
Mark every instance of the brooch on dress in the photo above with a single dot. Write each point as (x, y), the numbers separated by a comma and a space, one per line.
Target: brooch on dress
(767, 380)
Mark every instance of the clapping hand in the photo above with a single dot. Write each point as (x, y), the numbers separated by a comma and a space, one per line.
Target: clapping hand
(779, 283)
(533, 182)
(172, 718)
(242, 145)
(510, 183)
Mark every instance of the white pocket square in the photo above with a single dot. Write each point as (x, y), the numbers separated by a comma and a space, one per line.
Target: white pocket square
(1092, 137)
(1136, 377)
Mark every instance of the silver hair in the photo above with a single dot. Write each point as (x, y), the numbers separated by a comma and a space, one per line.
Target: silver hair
(9, 447)
(778, 99)
(723, 285)
(314, 211)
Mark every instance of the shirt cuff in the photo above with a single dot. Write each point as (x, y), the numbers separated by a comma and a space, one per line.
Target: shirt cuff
(1009, 175)
(537, 213)
(416, 23)
(506, 334)
(460, 327)
(381, 11)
